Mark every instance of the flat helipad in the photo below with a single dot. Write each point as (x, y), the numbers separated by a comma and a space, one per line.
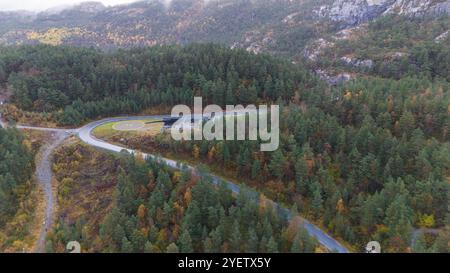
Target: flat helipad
(131, 125)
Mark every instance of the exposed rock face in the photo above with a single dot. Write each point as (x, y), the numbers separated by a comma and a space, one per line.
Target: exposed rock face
(347, 33)
(365, 64)
(442, 37)
(255, 41)
(334, 80)
(313, 51)
(420, 7)
(290, 27)
(355, 12)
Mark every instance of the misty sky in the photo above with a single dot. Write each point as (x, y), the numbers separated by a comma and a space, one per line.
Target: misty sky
(39, 5)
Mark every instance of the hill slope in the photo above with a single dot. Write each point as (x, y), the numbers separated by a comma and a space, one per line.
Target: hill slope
(269, 25)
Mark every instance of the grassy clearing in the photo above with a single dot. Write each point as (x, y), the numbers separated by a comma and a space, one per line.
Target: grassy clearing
(106, 131)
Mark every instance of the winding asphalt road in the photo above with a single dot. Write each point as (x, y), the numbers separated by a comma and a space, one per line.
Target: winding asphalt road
(85, 134)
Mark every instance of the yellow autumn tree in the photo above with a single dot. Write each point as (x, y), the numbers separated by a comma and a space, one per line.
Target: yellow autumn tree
(348, 95)
(426, 221)
(139, 158)
(340, 206)
(27, 144)
(176, 176)
(141, 212)
(188, 196)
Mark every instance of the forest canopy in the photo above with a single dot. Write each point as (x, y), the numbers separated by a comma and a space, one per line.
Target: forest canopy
(156, 209)
(76, 84)
(367, 159)
(16, 168)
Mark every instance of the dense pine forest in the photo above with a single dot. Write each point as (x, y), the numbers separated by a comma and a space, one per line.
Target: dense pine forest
(72, 85)
(156, 209)
(17, 201)
(368, 159)
(16, 168)
(364, 93)
(371, 161)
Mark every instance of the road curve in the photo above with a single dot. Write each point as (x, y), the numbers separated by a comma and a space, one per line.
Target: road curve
(85, 134)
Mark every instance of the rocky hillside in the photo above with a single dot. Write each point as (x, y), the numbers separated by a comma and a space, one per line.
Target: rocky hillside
(291, 28)
(354, 12)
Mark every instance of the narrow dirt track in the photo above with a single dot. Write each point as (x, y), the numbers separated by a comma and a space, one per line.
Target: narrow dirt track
(44, 176)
